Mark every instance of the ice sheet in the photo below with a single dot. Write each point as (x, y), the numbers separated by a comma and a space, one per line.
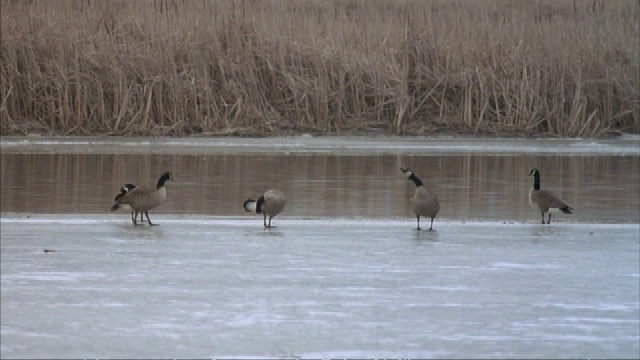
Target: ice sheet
(205, 286)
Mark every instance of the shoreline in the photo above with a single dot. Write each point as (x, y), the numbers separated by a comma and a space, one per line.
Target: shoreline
(625, 145)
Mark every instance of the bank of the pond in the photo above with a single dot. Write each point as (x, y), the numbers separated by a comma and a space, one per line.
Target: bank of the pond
(264, 68)
(626, 145)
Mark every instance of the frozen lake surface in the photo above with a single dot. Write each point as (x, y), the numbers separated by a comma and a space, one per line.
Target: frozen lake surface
(209, 286)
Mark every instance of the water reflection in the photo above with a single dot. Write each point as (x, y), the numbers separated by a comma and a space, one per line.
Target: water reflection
(426, 236)
(600, 188)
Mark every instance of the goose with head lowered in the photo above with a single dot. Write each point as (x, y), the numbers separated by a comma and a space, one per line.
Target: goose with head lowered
(270, 204)
(142, 200)
(116, 206)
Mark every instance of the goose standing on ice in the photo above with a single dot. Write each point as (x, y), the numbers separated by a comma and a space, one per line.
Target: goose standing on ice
(270, 204)
(142, 200)
(424, 202)
(116, 206)
(543, 200)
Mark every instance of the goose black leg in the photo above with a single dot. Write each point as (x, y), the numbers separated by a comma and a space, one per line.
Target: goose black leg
(134, 215)
(548, 221)
(265, 221)
(431, 226)
(146, 213)
(418, 216)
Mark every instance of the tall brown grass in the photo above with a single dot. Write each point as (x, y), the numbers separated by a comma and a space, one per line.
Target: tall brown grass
(547, 67)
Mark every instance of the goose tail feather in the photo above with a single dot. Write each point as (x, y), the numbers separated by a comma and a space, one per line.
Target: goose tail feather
(567, 209)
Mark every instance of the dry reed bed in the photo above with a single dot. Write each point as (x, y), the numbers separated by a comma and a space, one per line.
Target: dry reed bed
(558, 68)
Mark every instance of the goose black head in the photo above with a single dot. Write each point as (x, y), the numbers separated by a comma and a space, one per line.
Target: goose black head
(126, 188)
(407, 172)
(166, 176)
(411, 176)
(534, 172)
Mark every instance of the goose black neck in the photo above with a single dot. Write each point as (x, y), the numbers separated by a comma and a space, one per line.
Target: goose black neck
(259, 204)
(415, 180)
(162, 180)
(536, 181)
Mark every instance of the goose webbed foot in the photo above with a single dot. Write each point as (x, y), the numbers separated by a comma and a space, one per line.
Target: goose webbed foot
(431, 225)
(149, 220)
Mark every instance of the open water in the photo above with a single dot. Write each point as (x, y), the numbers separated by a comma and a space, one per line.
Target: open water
(343, 273)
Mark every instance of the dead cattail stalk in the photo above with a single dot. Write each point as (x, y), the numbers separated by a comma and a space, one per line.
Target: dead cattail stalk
(263, 68)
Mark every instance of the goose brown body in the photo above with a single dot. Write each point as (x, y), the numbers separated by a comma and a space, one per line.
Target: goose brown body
(270, 204)
(142, 200)
(424, 202)
(543, 200)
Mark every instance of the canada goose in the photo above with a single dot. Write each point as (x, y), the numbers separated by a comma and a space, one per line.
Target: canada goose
(142, 200)
(270, 204)
(123, 190)
(424, 202)
(544, 200)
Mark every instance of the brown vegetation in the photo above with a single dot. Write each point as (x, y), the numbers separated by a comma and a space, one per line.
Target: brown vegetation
(200, 67)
